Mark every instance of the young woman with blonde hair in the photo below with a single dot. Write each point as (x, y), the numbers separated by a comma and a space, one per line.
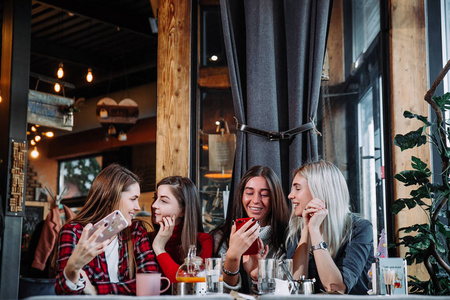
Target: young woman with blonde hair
(335, 246)
(86, 266)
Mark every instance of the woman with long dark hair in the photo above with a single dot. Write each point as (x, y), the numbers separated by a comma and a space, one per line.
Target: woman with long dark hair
(177, 219)
(259, 196)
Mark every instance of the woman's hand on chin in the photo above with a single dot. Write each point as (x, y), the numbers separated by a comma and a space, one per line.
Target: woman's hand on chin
(166, 227)
(314, 213)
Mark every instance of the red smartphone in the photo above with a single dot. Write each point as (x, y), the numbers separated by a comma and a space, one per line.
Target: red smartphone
(254, 247)
(115, 223)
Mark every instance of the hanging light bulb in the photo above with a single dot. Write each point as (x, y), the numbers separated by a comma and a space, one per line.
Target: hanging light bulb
(122, 136)
(111, 130)
(33, 143)
(103, 113)
(57, 87)
(60, 72)
(34, 153)
(48, 134)
(89, 75)
(37, 138)
(33, 129)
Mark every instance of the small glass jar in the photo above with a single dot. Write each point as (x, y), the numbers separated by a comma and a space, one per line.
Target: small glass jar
(193, 269)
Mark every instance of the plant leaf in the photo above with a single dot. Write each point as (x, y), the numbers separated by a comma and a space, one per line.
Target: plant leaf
(412, 177)
(419, 165)
(411, 139)
(399, 205)
(443, 101)
(410, 115)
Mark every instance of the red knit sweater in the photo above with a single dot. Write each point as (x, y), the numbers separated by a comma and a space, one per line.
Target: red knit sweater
(170, 260)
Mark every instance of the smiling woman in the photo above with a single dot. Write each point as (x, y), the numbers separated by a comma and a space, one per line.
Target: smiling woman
(81, 259)
(259, 196)
(177, 220)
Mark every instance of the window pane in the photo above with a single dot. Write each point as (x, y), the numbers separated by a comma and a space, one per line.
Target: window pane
(217, 144)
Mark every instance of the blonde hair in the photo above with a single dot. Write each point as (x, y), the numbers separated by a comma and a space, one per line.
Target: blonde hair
(327, 183)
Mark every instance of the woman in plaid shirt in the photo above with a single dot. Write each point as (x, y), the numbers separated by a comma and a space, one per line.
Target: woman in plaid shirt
(86, 266)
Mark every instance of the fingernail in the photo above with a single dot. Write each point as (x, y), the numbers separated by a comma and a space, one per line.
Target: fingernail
(257, 221)
(106, 224)
(253, 219)
(232, 223)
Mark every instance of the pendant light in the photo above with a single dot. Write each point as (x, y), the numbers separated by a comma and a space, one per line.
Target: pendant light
(34, 153)
(60, 72)
(89, 76)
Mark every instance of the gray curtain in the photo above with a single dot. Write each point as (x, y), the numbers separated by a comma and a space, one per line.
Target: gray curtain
(275, 52)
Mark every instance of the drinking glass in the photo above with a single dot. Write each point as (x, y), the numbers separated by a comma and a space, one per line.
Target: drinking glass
(214, 278)
(266, 275)
(290, 266)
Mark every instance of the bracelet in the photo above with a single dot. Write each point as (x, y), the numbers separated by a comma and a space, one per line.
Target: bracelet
(229, 273)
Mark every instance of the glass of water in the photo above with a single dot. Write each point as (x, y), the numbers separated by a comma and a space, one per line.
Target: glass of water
(267, 269)
(214, 278)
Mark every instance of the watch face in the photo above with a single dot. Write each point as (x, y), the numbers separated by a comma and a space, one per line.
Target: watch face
(323, 245)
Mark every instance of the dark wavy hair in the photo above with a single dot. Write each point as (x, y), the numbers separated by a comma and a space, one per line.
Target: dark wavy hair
(186, 194)
(278, 214)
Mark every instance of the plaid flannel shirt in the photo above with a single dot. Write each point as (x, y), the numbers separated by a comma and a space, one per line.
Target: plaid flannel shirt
(97, 269)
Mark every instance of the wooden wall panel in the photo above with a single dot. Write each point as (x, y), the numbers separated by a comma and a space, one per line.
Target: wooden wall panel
(214, 78)
(95, 141)
(335, 46)
(174, 71)
(408, 87)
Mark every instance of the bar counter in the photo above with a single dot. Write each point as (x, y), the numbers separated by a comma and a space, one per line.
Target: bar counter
(229, 297)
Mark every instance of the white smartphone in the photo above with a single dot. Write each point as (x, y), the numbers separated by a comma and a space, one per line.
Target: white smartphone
(115, 223)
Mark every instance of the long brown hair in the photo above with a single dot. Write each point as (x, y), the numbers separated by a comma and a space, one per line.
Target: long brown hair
(186, 194)
(104, 197)
(278, 213)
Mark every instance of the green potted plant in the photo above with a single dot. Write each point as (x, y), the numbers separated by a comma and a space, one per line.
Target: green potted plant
(429, 242)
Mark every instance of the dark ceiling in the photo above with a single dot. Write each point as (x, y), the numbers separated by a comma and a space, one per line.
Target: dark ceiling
(113, 37)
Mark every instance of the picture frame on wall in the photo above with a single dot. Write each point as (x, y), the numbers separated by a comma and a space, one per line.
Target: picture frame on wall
(75, 177)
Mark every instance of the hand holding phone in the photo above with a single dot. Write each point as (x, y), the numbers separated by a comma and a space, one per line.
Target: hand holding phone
(254, 247)
(115, 222)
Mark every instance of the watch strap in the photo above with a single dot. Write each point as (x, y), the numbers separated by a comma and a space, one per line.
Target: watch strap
(321, 245)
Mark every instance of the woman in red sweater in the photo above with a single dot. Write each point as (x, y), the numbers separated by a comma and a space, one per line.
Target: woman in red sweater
(176, 217)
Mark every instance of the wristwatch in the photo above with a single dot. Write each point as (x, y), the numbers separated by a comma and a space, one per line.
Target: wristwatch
(321, 245)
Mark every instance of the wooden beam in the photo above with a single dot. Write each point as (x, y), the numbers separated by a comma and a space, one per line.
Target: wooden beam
(154, 4)
(102, 13)
(174, 72)
(209, 2)
(336, 45)
(408, 87)
(214, 78)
